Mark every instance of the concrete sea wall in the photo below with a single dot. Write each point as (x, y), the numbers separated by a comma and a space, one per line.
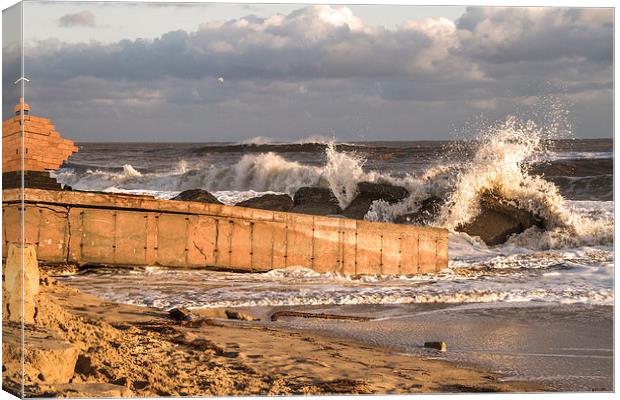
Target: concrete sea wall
(114, 229)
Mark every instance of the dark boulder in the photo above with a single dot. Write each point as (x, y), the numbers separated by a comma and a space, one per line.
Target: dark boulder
(371, 192)
(197, 195)
(273, 202)
(316, 201)
(427, 212)
(180, 314)
(498, 219)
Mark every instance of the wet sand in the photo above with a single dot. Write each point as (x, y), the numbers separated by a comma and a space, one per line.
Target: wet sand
(565, 347)
(141, 351)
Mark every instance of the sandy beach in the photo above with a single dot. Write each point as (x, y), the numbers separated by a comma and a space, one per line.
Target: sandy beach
(129, 350)
(564, 347)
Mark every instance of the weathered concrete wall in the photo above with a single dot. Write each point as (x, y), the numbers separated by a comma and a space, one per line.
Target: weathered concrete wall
(94, 228)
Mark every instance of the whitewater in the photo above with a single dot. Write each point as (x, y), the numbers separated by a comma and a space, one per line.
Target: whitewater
(569, 260)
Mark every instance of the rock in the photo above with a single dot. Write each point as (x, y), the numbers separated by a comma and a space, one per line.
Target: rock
(84, 366)
(180, 314)
(240, 315)
(441, 346)
(141, 385)
(122, 381)
(427, 212)
(498, 219)
(315, 201)
(91, 390)
(47, 281)
(197, 195)
(273, 202)
(370, 192)
(12, 284)
(47, 358)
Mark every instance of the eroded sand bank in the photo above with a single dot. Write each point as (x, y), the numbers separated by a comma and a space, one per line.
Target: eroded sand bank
(129, 350)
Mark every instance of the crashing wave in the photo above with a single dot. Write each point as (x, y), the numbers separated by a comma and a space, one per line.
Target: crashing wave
(500, 163)
(262, 172)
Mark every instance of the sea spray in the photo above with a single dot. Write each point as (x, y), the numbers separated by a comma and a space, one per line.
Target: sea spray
(500, 165)
(497, 160)
(577, 268)
(343, 171)
(436, 181)
(262, 172)
(259, 172)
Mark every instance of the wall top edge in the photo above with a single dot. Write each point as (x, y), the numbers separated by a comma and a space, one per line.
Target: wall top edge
(149, 203)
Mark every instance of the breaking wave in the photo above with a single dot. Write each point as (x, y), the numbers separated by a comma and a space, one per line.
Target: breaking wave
(505, 160)
(260, 172)
(501, 165)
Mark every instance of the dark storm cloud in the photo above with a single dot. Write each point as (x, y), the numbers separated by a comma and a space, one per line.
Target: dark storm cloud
(317, 54)
(82, 18)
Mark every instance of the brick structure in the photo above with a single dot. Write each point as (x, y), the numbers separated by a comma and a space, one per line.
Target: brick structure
(44, 148)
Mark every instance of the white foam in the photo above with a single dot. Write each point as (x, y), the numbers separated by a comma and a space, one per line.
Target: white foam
(571, 260)
(476, 273)
(258, 140)
(499, 165)
(342, 172)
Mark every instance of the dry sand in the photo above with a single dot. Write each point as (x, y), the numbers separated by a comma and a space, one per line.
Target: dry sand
(125, 350)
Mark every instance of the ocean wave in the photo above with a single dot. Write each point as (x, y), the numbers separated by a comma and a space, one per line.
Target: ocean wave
(565, 276)
(573, 155)
(262, 144)
(499, 161)
(263, 140)
(500, 165)
(262, 172)
(259, 172)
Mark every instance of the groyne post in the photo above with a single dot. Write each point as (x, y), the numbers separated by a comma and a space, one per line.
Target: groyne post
(21, 282)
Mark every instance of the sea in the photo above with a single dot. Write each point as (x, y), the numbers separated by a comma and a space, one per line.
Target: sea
(568, 266)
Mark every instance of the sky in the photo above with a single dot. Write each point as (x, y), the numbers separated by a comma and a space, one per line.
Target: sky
(230, 72)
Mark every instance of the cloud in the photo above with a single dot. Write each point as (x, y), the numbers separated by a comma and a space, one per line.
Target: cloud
(503, 35)
(314, 42)
(301, 62)
(82, 18)
(323, 42)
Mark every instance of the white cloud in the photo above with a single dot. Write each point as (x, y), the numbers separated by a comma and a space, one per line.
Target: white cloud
(82, 18)
(312, 56)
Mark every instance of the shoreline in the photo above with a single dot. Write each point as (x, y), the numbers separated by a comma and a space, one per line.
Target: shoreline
(131, 350)
(565, 347)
